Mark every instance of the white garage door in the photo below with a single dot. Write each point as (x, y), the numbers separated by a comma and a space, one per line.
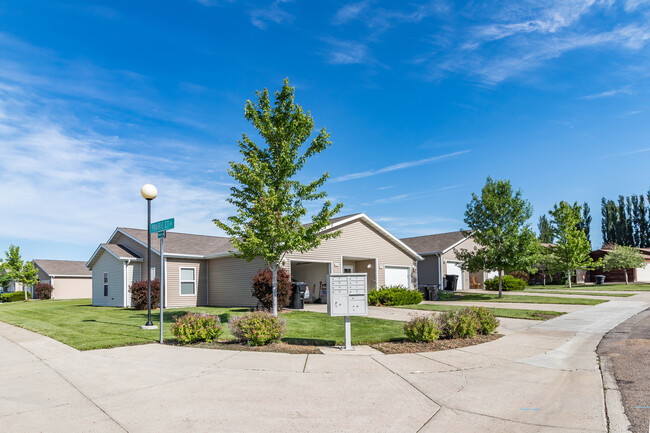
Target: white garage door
(643, 274)
(397, 276)
(453, 268)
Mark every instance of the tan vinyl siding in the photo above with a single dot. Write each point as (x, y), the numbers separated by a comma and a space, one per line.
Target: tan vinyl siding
(115, 269)
(450, 256)
(358, 240)
(174, 297)
(230, 281)
(72, 287)
(141, 250)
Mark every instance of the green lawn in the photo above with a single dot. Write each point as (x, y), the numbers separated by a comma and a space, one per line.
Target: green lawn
(80, 325)
(494, 297)
(498, 312)
(563, 292)
(605, 287)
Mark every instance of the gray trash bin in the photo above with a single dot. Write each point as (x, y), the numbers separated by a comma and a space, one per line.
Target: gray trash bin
(425, 293)
(450, 282)
(600, 280)
(298, 295)
(433, 292)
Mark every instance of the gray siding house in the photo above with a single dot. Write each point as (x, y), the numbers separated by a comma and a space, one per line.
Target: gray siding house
(201, 270)
(439, 253)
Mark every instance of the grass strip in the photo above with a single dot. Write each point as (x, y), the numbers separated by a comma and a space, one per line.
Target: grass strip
(562, 292)
(524, 299)
(498, 312)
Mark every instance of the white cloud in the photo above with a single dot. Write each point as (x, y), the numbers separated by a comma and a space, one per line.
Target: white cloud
(349, 12)
(260, 17)
(76, 187)
(399, 166)
(347, 52)
(606, 94)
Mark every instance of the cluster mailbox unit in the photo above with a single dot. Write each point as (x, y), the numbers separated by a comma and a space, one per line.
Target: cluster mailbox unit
(347, 295)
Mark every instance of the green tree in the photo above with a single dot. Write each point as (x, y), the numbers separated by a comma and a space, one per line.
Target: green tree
(623, 257)
(270, 201)
(5, 279)
(585, 222)
(571, 249)
(545, 230)
(18, 270)
(608, 223)
(498, 222)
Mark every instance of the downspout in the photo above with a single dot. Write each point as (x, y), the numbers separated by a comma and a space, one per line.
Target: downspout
(124, 303)
(126, 290)
(207, 282)
(440, 271)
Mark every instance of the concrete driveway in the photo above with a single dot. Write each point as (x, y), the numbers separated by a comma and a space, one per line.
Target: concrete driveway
(542, 378)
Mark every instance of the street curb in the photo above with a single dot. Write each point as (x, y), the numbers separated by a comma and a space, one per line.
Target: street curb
(614, 410)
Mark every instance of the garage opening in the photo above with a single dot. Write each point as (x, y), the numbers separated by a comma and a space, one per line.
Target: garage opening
(453, 268)
(314, 274)
(398, 276)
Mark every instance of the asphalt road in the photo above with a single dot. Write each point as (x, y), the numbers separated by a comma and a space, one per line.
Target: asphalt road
(628, 349)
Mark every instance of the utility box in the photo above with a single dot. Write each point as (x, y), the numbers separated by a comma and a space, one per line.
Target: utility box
(347, 294)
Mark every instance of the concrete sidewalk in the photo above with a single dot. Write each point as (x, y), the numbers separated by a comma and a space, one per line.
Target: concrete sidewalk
(542, 378)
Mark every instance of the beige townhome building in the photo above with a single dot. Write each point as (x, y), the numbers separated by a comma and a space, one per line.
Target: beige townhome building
(439, 253)
(70, 279)
(201, 270)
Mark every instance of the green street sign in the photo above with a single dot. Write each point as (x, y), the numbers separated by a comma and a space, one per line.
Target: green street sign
(162, 234)
(159, 226)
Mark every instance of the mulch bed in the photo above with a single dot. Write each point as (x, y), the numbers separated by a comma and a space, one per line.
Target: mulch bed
(392, 347)
(273, 347)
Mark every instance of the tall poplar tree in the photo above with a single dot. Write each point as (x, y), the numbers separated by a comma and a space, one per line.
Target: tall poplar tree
(270, 201)
(545, 230)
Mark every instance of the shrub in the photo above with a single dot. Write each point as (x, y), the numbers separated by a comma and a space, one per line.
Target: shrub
(467, 322)
(395, 295)
(139, 294)
(487, 323)
(14, 296)
(509, 283)
(525, 276)
(422, 328)
(194, 327)
(43, 290)
(263, 288)
(257, 328)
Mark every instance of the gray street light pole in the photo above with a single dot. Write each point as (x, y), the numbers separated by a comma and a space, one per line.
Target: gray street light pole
(149, 192)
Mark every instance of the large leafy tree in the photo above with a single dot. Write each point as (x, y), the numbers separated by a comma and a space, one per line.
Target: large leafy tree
(571, 248)
(545, 231)
(269, 199)
(18, 270)
(498, 222)
(623, 257)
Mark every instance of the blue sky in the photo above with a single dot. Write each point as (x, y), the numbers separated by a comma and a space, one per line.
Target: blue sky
(423, 101)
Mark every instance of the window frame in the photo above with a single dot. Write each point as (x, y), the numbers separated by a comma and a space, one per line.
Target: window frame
(105, 283)
(181, 281)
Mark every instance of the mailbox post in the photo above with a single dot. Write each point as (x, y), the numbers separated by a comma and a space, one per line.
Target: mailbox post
(347, 295)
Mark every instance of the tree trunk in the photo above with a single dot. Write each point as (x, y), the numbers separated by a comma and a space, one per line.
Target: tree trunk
(275, 289)
(568, 274)
(500, 283)
(25, 289)
(544, 279)
(625, 270)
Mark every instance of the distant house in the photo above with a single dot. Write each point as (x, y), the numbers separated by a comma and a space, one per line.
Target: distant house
(439, 253)
(637, 275)
(70, 279)
(201, 270)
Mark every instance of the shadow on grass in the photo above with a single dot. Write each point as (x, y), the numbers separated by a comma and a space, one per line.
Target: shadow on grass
(308, 341)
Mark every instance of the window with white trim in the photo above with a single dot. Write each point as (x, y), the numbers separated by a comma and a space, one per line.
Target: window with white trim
(105, 283)
(188, 281)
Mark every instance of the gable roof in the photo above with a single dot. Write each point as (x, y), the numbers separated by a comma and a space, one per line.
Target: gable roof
(439, 243)
(206, 247)
(120, 252)
(63, 268)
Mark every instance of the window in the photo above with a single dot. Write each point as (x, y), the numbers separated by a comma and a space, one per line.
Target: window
(153, 273)
(105, 283)
(188, 281)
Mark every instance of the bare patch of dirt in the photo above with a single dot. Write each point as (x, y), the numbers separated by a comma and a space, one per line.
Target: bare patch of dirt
(392, 347)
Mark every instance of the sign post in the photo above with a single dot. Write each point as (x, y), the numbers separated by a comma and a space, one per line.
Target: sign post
(161, 228)
(161, 236)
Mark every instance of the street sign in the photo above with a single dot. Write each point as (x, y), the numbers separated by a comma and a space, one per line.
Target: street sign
(162, 234)
(159, 226)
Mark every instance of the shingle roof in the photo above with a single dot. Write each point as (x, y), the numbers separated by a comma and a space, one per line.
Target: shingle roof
(184, 243)
(433, 243)
(63, 267)
(121, 251)
(337, 219)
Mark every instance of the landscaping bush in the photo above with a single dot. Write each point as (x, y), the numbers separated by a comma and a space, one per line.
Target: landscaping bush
(257, 328)
(139, 294)
(395, 295)
(43, 290)
(194, 327)
(14, 296)
(509, 283)
(487, 323)
(422, 328)
(467, 322)
(263, 288)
